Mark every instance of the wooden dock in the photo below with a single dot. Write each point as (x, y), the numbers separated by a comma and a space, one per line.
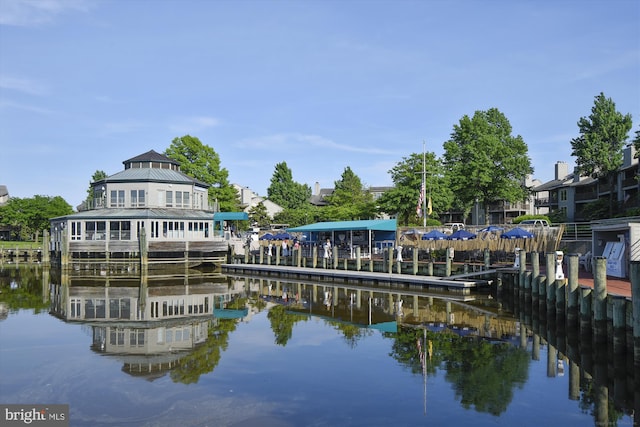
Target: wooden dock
(451, 284)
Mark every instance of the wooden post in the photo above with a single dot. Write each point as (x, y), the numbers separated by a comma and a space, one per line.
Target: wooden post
(390, 260)
(448, 260)
(600, 299)
(619, 325)
(551, 280)
(45, 248)
(358, 259)
(143, 247)
(573, 291)
(415, 260)
(586, 309)
(487, 258)
(314, 255)
(634, 274)
(335, 259)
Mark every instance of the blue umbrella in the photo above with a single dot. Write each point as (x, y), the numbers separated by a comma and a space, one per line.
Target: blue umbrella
(517, 233)
(267, 236)
(462, 235)
(434, 235)
(282, 236)
(491, 228)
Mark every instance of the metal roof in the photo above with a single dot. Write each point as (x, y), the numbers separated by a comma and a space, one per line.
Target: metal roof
(371, 224)
(153, 175)
(151, 213)
(230, 216)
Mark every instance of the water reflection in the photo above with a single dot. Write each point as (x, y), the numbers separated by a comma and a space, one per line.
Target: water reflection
(179, 323)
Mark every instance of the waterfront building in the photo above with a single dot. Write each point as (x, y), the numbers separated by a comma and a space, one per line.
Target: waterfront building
(149, 207)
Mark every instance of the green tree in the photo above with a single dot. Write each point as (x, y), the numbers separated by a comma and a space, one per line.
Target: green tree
(284, 191)
(29, 217)
(350, 199)
(636, 143)
(258, 215)
(485, 163)
(599, 148)
(402, 199)
(305, 215)
(97, 176)
(201, 162)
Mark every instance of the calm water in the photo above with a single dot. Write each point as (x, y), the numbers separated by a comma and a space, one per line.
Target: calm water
(123, 350)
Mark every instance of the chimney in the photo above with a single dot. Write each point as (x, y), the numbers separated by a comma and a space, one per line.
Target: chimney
(317, 189)
(562, 170)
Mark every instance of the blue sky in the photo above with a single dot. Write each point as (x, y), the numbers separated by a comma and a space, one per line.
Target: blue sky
(320, 85)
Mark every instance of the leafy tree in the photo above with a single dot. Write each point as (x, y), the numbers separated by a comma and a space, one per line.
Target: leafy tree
(484, 162)
(297, 217)
(97, 176)
(350, 200)
(636, 143)
(258, 215)
(402, 200)
(201, 162)
(599, 148)
(29, 217)
(284, 191)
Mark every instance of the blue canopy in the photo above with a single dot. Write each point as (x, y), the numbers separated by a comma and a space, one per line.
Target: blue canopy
(434, 235)
(491, 228)
(517, 233)
(462, 235)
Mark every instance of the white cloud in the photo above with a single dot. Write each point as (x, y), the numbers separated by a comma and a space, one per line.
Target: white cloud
(22, 85)
(31, 13)
(288, 141)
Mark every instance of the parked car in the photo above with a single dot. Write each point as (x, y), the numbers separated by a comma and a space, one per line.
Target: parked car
(452, 227)
(534, 223)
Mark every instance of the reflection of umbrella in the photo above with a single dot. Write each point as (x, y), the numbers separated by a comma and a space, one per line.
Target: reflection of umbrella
(282, 236)
(434, 235)
(462, 235)
(517, 233)
(491, 228)
(267, 236)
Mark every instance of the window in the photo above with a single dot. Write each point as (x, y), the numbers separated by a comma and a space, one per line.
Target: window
(96, 230)
(119, 308)
(185, 200)
(178, 199)
(137, 199)
(120, 230)
(117, 198)
(76, 306)
(76, 230)
(169, 202)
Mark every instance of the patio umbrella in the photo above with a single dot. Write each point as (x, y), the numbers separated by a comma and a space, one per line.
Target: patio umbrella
(517, 233)
(267, 236)
(412, 234)
(282, 236)
(434, 235)
(491, 228)
(462, 235)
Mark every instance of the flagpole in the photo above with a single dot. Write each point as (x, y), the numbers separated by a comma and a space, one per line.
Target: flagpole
(424, 188)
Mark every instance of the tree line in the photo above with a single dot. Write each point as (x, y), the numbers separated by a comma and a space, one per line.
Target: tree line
(483, 162)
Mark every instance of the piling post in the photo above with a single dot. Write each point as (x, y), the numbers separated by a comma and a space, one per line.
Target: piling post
(314, 255)
(390, 260)
(586, 309)
(619, 325)
(573, 296)
(599, 299)
(551, 281)
(299, 256)
(448, 260)
(635, 300)
(144, 249)
(487, 258)
(358, 259)
(277, 249)
(522, 267)
(430, 268)
(335, 259)
(415, 261)
(45, 247)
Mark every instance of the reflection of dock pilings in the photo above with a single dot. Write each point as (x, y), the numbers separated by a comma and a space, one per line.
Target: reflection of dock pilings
(583, 326)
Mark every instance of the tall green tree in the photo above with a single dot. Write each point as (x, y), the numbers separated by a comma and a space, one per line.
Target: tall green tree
(402, 199)
(284, 191)
(636, 143)
(484, 162)
(29, 217)
(97, 176)
(258, 215)
(350, 199)
(599, 148)
(201, 162)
